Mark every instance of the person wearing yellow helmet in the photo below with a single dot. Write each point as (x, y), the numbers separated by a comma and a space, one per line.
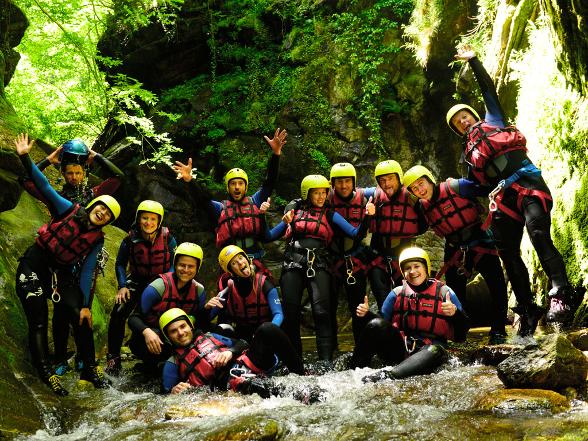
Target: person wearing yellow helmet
(175, 289)
(394, 226)
(209, 359)
(311, 226)
(240, 218)
(147, 252)
(453, 213)
(416, 322)
(247, 298)
(351, 255)
(72, 237)
(497, 157)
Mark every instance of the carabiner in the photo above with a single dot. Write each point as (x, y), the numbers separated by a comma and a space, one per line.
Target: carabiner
(310, 256)
(349, 270)
(55, 294)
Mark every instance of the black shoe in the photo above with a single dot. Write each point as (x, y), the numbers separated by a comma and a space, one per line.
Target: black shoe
(497, 338)
(54, 383)
(94, 375)
(560, 310)
(529, 317)
(309, 395)
(113, 364)
(378, 376)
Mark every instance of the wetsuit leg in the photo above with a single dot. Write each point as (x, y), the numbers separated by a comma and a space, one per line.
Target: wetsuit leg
(378, 337)
(380, 284)
(33, 288)
(425, 361)
(292, 286)
(60, 329)
(355, 294)
(490, 268)
(320, 300)
(457, 282)
(118, 320)
(268, 340)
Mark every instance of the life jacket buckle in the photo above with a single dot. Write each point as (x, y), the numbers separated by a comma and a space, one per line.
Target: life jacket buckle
(310, 256)
(349, 270)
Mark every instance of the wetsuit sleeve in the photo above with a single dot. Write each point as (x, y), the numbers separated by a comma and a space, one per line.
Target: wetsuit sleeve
(171, 246)
(215, 208)
(236, 346)
(273, 299)
(460, 320)
(56, 202)
(369, 192)
(87, 274)
(120, 266)
(469, 189)
(151, 296)
(388, 306)
(43, 164)
(171, 375)
(494, 113)
(273, 168)
(346, 227)
(276, 232)
(202, 315)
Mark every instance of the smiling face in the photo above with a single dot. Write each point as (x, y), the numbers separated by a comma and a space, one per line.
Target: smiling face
(389, 183)
(74, 174)
(148, 222)
(343, 187)
(179, 333)
(462, 121)
(239, 266)
(317, 197)
(186, 269)
(100, 215)
(237, 188)
(415, 272)
(422, 188)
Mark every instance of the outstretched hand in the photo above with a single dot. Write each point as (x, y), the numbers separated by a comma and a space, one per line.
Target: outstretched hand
(183, 171)
(465, 53)
(278, 141)
(370, 208)
(447, 307)
(363, 308)
(22, 143)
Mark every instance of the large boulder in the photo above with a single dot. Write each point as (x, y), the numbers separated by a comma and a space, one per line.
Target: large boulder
(512, 402)
(553, 363)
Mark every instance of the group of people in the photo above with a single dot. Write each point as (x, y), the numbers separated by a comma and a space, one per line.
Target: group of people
(250, 326)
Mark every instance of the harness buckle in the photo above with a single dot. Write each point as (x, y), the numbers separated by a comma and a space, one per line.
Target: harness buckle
(310, 256)
(55, 296)
(349, 270)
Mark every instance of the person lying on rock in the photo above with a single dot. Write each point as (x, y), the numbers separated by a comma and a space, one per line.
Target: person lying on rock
(418, 318)
(497, 157)
(222, 363)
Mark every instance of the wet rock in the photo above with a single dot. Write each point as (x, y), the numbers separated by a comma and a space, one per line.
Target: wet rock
(259, 429)
(492, 355)
(553, 363)
(579, 339)
(516, 401)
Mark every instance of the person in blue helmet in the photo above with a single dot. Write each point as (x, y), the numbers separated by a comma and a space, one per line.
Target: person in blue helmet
(418, 318)
(240, 219)
(496, 156)
(72, 237)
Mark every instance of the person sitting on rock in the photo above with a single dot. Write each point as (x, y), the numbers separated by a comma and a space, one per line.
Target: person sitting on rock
(247, 298)
(453, 213)
(147, 250)
(72, 237)
(497, 157)
(239, 219)
(223, 363)
(170, 290)
(418, 318)
(394, 226)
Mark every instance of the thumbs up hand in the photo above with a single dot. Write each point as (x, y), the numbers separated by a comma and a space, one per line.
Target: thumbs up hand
(363, 308)
(447, 306)
(370, 208)
(265, 206)
(288, 217)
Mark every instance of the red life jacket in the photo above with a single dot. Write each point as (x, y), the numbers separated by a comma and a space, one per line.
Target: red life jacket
(147, 260)
(484, 143)
(397, 217)
(312, 223)
(66, 239)
(195, 361)
(450, 212)
(353, 210)
(171, 298)
(238, 220)
(419, 314)
(253, 309)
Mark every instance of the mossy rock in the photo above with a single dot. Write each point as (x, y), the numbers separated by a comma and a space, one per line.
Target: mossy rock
(516, 401)
(258, 429)
(213, 407)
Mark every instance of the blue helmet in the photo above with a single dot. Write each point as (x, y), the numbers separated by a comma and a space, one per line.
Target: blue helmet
(74, 151)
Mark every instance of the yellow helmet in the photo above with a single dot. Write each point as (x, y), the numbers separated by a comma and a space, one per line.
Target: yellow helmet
(412, 254)
(151, 207)
(388, 167)
(109, 202)
(343, 170)
(235, 173)
(173, 315)
(189, 249)
(227, 254)
(451, 113)
(313, 181)
(416, 172)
